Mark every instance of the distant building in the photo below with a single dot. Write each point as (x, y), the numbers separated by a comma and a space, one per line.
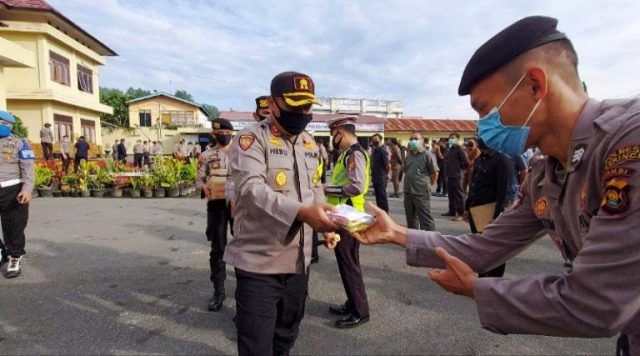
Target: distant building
(382, 108)
(165, 118)
(432, 129)
(50, 72)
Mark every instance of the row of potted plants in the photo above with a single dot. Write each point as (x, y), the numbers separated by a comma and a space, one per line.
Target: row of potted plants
(166, 177)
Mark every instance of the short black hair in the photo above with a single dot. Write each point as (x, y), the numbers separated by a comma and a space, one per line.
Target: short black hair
(455, 134)
(376, 135)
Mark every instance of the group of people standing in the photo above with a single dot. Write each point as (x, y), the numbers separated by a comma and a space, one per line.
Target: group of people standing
(142, 152)
(80, 152)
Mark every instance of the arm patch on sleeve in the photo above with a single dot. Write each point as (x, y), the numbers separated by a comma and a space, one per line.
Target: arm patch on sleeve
(26, 153)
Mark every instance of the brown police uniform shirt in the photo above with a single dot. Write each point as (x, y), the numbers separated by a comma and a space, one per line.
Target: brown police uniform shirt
(591, 211)
(213, 162)
(273, 177)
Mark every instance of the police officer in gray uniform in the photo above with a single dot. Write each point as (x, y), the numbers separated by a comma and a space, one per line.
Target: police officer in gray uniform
(213, 180)
(584, 194)
(16, 184)
(279, 204)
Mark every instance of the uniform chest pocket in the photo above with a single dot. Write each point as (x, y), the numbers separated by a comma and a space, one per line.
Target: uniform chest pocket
(313, 172)
(280, 174)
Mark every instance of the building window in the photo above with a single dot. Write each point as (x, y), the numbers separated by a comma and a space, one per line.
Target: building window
(179, 118)
(59, 68)
(62, 125)
(85, 79)
(145, 118)
(88, 130)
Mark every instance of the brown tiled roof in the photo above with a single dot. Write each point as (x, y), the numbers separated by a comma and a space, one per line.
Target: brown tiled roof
(246, 116)
(41, 5)
(430, 125)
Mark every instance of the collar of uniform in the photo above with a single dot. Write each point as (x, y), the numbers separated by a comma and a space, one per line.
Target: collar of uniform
(582, 133)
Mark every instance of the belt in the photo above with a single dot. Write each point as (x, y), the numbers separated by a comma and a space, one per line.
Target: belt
(10, 183)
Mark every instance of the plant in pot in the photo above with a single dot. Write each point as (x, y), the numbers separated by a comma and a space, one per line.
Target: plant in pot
(84, 175)
(96, 186)
(136, 184)
(66, 182)
(172, 179)
(189, 173)
(42, 180)
(159, 175)
(147, 185)
(119, 184)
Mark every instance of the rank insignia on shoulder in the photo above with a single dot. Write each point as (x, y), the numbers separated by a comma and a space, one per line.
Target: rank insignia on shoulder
(541, 208)
(245, 141)
(616, 196)
(281, 178)
(309, 145)
(274, 130)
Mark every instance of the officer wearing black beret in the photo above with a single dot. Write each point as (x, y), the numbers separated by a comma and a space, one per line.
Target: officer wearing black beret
(262, 108)
(584, 195)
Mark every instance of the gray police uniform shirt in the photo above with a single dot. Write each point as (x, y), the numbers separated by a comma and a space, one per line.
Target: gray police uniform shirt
(593, 216)
(418, 169)
(273, 178)
(355, 167)
(17, 162)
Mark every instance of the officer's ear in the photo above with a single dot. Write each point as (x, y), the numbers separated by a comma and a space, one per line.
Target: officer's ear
(537, 79)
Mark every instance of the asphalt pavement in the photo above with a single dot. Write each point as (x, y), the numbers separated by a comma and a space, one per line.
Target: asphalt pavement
(131, 276)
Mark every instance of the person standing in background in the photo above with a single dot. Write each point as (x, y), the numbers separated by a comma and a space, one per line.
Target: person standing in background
(457, 162)
(65, 151)
(46, 140)
(396, 167)
(379, 171)
(421, 171)
(472, 152)
(138, 151)
(82, 153)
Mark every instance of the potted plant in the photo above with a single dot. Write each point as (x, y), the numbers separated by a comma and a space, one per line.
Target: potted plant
(66, 182)
(136, 184)
(42, 180)
(83, 175)
(159, 173)
(119, 183)
(172, 178)
(147, 185)
(189, 173)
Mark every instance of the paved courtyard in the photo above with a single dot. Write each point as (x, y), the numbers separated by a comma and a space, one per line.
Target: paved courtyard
(125, 276)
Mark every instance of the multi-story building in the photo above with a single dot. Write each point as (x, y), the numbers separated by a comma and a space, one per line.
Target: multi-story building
(57, 81)
(344, 106)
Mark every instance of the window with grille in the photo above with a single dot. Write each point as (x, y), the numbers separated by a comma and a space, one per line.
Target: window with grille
(62, 125)
(145, 118)
(59, 68)
(85, 79)
(88, 130)
(179, 118)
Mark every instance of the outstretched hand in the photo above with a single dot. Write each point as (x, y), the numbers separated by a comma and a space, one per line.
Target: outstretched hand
(457, 278)
(384, 230)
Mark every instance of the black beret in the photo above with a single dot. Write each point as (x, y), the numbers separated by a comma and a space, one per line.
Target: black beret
(262, 102)
(221, 124)
(521, 36)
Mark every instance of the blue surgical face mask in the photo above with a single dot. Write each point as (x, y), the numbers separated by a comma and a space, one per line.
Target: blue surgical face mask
(413, 144)
(5, 131)
(507, 139)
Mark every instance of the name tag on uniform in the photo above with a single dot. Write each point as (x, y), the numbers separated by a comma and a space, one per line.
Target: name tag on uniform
(26, 154)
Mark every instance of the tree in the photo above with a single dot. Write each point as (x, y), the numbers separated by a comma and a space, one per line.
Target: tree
(212, 110)
(184, 95)
(137, 93)
(19, 130)
(117, 100)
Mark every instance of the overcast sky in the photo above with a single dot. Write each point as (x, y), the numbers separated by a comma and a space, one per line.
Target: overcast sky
(226, 52)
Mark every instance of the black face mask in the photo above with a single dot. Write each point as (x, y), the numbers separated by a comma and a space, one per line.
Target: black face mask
(223, 140)
(375, 143)
(335, 142)
(293, 123)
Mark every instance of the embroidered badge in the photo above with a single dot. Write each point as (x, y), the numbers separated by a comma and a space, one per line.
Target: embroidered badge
(578, 152)
(274, 130)
(352, 162)
(275, 140)
(246, 141)
(541, 207)
(303, 83)
(281, 178)
(621, 155)
(616, 196)
(309, 145)
(617, 172)
(316, 178)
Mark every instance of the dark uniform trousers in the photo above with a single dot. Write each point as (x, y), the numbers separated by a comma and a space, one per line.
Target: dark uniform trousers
(496, 272)
(47, 150)
(218, 216)
(456, 196)
(14, 220)
(380, 189)
(269, 309)
(137, 160)
(348, 257)
(442, 178)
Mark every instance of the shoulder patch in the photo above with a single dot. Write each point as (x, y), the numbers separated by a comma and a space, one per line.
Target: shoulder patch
(26, 153)
(541, 207)
(615, 199)
(622, 154)
(245, 141)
